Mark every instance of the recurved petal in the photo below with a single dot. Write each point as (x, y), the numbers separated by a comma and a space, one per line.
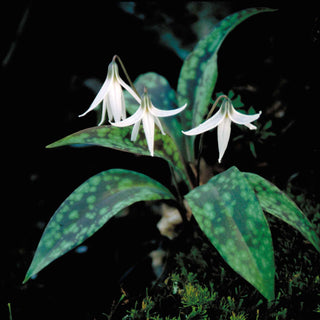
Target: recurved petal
(241, 118)
(166, 113)
(137, 116)
(250, 126)
(224, 129)
(128, 88)
(158, 123)
(209, 124)
(99, 97)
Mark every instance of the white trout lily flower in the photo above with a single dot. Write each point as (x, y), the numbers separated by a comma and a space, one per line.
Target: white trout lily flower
(222, 119)
(111, 96)
(148, 114)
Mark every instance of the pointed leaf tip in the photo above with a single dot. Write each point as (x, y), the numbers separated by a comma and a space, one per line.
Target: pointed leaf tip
(88, 208)
(229, 214)
(120, 139)
(277, 203)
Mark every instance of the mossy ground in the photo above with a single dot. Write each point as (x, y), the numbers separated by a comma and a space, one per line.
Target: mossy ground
(197, 283)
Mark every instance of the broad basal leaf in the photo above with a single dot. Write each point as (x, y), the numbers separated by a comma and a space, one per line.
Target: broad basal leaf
(228, 212)
(275, 202)
(199, 72)
(89, 207)
(119, 138)
(163, 97)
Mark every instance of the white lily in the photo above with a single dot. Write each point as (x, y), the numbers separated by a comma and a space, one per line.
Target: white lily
(148, 114)
(222, 119)
(111, 96)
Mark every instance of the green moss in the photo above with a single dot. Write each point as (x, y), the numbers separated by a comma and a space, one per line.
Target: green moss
(199, 285)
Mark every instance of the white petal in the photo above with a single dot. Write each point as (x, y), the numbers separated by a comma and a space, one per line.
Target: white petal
(121, 82)
(99, 97)
(128, 88)
(107, 105)
(135, 131)
(148, 127)
(137, 116)
(209, 124)
(224, 130)
(240, 118)
(116, 101)
(105, 109)
(250, 126)
(123, 109)
(158, 123)
(165, 113)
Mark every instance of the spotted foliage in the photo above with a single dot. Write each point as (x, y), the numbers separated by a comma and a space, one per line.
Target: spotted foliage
(230, 215)
(199, 72)
(89, 207)
(277, 203)
(119, 139)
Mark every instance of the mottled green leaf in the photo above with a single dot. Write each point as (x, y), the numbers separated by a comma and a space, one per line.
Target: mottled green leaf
(277, 203)
(163, 97)
(199, 72)
(229, 213)
(88, 208)
(119, 138)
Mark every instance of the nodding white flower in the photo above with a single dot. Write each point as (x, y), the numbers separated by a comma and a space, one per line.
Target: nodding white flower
(222, 119)
(148, 114)
(111, 96)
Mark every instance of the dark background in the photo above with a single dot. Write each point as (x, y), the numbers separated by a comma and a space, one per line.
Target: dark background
(272, 60)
